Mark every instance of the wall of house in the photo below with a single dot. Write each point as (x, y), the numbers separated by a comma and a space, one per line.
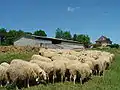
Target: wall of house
(30, 42)
(104, 44)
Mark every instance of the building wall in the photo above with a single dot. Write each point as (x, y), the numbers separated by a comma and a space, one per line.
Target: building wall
(69, 45)
(104, 44)
(46, 43)
(30, 42)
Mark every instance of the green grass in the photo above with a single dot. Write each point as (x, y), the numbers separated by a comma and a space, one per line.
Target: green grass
(7, 57)
(110, 80)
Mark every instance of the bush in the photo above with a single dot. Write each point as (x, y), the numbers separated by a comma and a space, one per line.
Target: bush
(114, 46)
(96, 45)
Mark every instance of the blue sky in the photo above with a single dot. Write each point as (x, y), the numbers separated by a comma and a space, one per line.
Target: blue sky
(92, 17)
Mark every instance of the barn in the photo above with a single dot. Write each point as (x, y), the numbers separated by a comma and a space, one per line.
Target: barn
(41, 41)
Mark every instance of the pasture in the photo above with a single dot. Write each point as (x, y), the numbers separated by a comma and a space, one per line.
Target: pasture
(110, 80)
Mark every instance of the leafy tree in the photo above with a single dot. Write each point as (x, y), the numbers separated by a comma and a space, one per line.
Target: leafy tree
(3, 33)
(40, 33)
(114, 46)
(28, 33)
(85, 39)
(75, 37)
(11, 36)
(20, 33)
(59, 33)
(67, 35)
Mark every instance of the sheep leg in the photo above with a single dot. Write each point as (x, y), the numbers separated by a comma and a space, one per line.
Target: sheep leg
(65, 79)
(80, 80)
(61, 78)
(28, 83)
(1, 84)
(53, 79)
(70, 78)
(48, 79)
(74, 78)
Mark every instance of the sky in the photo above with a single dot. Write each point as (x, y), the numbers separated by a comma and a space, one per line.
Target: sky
(91, 17)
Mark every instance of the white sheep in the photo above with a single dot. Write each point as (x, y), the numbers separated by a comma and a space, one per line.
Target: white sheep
(39, 57)
(59, 67)
(5, 67)
(23, 70)
(3, 75)
(4, 64)
(70, 57)
(47, 67)
(85, 71)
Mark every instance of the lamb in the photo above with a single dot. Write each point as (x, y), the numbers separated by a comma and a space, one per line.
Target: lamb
(23, 70)
(39, 57)
(47, 67)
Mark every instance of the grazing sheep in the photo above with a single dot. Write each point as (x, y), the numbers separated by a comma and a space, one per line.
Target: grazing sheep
(72, 71)
(47, 67)
(41, 58)
(5, 67)
(4, 64)
(70, 57)
(59, 57)
(3, 75)
(22, 70)
(47, 53)
(85, 71)
(59, 67)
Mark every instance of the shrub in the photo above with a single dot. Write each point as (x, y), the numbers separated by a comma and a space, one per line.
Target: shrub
(114, 46)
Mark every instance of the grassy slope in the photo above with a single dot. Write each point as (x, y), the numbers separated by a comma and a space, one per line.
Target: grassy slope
(110, 81)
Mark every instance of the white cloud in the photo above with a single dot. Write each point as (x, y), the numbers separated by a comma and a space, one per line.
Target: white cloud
(71, 9)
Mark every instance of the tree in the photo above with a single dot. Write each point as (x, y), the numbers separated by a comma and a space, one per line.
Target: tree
(11, 36)
(3, 33)
(28, 33)
(75, 37)
(67, 35)
(40, 33)
(59, 33)
(20, 33)
(85, 39)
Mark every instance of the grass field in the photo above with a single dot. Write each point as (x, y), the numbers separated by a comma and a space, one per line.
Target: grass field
(110, 80)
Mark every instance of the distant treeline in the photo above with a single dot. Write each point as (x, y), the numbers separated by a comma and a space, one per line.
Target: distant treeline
(9, 36)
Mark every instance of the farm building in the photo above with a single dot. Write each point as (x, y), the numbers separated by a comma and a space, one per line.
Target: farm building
(103, 41)
(33, 40)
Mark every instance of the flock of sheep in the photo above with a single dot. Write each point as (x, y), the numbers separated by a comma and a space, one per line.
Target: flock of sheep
(54, 65)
